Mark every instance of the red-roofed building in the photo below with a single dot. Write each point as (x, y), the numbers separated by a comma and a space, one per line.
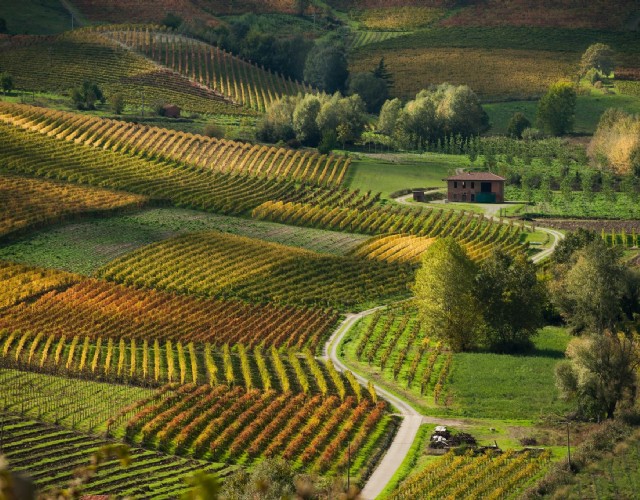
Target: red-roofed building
(476, 187)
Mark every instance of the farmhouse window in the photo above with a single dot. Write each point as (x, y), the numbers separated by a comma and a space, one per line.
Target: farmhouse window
(455, 184)
(473, 185)
(464, 184)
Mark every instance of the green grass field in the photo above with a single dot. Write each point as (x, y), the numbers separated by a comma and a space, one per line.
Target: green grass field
(83, 247)
(387, 173)
(588, 110)
(498, 386)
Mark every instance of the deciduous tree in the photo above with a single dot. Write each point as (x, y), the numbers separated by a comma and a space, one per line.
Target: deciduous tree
(6, 82)
(444, 290)
(593, 290)
(598, 56)
(557, 108)
(511, 300)
(371, 89)
(518, 124)
(601, 373)
(326, 67)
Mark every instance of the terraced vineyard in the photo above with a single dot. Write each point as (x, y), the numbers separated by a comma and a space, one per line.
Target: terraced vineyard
(75, 404)
(20, 282)
(237, 425)
(50, 454)
(145, 363)
(394, 248)
(394, 342)
(59, 63)
(154, 315)
(216, 155)
(27, 203)
(32, 153)
(479, 235)
(214, 264)
(470, 476)
(229, 76)
(209, 422)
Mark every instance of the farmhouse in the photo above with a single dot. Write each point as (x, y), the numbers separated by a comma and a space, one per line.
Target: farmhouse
(476, 187)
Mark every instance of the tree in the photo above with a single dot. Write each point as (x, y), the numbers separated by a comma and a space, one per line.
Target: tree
(518, 124)
(616, 142)
(573, 242)
(600, 374)
(556, 109)
(86, 95)
(440, 112)
(598, 56)
(172, 21)
(371, 89)
(305, 118)
(346, 111)
(117, 103)
(326, 67)
(6, 82)
(212, 129)
(444, 293)
(389, 116)
(383, 73)
(593, 290)
(277, 123)
(511, 300)
(301, 7)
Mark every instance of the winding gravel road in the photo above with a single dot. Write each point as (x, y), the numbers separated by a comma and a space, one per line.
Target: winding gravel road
(412, 419)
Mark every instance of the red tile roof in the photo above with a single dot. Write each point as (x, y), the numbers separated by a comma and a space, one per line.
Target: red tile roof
(475, 176)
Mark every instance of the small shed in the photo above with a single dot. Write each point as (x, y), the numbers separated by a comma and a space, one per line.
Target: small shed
(475, 187)
(418, 195)
(171, 111)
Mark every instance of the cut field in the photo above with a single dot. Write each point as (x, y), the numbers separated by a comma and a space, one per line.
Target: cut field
(484, 385)
(385, 174)
(214, 264)
(83, 247)
(28, 203)
(498, 74)
(50, 455)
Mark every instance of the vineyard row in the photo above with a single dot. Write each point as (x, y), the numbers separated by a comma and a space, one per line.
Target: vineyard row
(218, 155)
